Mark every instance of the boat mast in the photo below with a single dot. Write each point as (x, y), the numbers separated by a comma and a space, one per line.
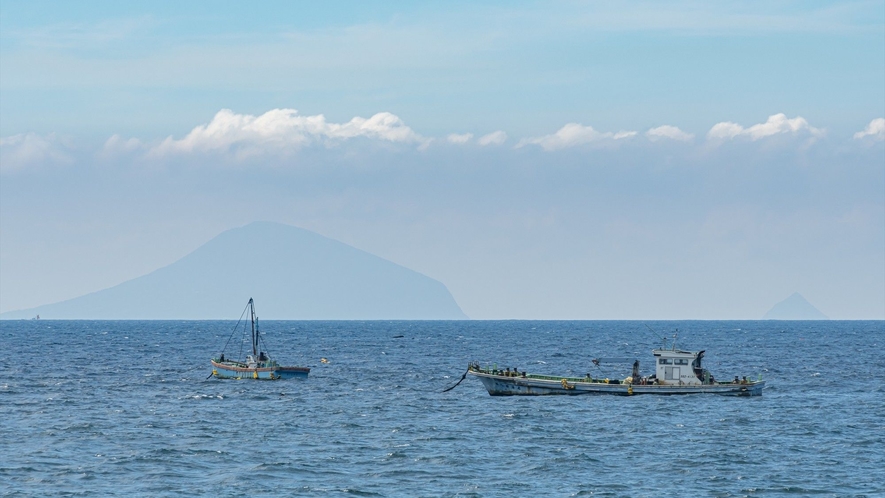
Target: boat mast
(254, 334)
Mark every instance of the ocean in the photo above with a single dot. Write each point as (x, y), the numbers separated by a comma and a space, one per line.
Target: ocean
(125, 408)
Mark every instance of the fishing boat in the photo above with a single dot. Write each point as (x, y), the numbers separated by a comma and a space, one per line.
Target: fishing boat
(257, 365)
(676, 372)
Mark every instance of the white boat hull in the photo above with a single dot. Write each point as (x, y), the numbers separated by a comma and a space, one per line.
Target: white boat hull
(501, 385)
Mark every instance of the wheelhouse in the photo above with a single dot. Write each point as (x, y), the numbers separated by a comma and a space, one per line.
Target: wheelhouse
(682, 368)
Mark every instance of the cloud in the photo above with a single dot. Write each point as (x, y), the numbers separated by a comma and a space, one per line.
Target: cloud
(117, 145)
(668, 132)
(493, 138)
(27, 150)
(284, 129)
(459, 139)
(574, 134)
(874, 130)
(776, 124)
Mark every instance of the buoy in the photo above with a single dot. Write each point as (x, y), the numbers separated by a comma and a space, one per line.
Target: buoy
(215, 372)
(255, 374)
(323, 360)
(630, 390)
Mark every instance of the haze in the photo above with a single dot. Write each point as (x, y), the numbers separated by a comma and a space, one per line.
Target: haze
(579, 160)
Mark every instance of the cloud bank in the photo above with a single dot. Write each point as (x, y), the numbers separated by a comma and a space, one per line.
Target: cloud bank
(284, 129)
(775, 125)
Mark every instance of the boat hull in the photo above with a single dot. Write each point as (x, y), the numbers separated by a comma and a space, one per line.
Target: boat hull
(500, 385)
(231, 371)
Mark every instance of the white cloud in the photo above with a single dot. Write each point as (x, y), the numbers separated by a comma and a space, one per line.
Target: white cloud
(119, 145)
(776, 124)
(27, 150)
(668, 132)
(875, 130)
(455, 138)
(493, 138)
(284, 129)
(574, 134)
(725, 130)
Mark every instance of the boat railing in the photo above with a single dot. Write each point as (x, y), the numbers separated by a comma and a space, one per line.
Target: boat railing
(559, 378)
(556, 378)
(234, 363)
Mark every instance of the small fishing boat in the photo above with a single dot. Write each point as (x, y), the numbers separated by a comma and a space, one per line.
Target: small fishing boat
(257, 365)
(676, 372)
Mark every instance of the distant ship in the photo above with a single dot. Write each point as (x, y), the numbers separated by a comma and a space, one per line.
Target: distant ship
(257, 365)
(677, 372)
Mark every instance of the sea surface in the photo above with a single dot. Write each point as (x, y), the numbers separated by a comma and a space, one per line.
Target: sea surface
(125, 408)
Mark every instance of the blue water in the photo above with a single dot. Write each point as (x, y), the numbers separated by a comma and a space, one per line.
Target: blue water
(125, 408)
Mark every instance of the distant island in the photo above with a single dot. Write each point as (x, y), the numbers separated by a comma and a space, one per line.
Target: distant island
(794, 307)
(292, 273)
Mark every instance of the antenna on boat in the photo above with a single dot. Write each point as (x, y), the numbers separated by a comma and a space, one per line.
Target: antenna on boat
(663, 337)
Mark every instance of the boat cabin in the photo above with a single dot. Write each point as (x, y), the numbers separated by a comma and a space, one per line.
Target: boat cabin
(680, 368)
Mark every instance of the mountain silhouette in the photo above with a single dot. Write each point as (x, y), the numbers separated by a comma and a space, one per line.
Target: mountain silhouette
(292, 273)
(794, 307)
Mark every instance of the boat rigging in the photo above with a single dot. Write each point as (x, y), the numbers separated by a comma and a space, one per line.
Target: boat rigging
(258, 364)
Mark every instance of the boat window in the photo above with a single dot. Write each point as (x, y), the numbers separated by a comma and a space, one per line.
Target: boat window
(680, 362)
(663, 361)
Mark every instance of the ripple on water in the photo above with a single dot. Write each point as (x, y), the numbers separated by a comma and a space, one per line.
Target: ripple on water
(374, 421)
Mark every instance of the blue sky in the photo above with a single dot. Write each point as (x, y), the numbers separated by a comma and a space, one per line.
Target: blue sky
(543, 160)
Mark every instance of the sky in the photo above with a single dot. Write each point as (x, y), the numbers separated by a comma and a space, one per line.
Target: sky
(544, 160)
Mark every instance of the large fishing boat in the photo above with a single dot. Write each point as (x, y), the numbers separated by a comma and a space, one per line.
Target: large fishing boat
(257, 365)
(676, 372)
